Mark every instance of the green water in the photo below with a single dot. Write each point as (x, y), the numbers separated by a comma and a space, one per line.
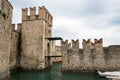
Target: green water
(54, 73)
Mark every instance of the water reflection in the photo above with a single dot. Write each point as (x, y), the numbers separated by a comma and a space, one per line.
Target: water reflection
(54, 73)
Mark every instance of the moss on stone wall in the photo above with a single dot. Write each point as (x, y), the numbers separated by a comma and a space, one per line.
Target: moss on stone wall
(3, 14)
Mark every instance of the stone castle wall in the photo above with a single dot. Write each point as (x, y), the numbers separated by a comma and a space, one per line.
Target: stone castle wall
(92, 57)
(30, 46)
(15, 46)
(13, 50)
(112, 57)
(5, 36)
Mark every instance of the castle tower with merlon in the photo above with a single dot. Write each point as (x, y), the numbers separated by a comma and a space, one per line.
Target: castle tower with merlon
(43, 14)
(36, 28)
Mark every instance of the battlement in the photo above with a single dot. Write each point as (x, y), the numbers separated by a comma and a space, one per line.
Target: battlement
(32, 13)
(75, 44)
(13, 27)
(18, 27)
(64, 42)
(91, 57)
(96, 41)
(86, 41)
(43, 14)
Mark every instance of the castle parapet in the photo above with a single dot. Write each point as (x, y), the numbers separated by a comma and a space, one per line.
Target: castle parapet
(99, 46)
(24, 14)
(75, 44)
(13, 27)
(75, 47)
(86, 41)
(64, 44)
(43, 14)
(86, 46)
(32, 13)
(19, 27)
(100, 41)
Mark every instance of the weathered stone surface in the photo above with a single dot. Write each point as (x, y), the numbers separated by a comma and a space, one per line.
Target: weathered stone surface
(5, 36)
(91, 58)
(35, 46)
(112, 57)
(15, 46)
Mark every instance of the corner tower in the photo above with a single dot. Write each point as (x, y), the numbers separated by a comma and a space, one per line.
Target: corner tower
(35, 30)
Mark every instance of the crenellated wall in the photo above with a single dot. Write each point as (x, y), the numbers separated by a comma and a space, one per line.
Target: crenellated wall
(5, 36)
(91, 58)
(43, 14)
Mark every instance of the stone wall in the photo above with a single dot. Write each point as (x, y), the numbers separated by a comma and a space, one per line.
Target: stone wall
(57, 52)
(15, 46)
(5, 36)
(112, 57)
(13, 50)
(91, 58)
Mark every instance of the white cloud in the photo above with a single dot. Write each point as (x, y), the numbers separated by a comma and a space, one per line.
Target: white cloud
(79, 18)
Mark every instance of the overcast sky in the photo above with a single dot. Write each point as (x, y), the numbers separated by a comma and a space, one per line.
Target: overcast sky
(79, 19)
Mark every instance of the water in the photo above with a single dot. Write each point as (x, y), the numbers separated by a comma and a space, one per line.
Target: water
(54, 73)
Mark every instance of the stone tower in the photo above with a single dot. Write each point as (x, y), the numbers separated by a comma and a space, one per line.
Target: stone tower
(6, 10)
(35, 31)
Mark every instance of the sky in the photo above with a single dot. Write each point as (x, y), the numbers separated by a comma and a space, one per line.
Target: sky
(79, 19)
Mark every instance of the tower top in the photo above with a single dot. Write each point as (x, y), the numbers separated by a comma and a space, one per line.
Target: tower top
(43, 13)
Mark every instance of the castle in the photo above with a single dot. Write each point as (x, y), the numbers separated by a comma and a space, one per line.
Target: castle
(32, 46)
(33, 42)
